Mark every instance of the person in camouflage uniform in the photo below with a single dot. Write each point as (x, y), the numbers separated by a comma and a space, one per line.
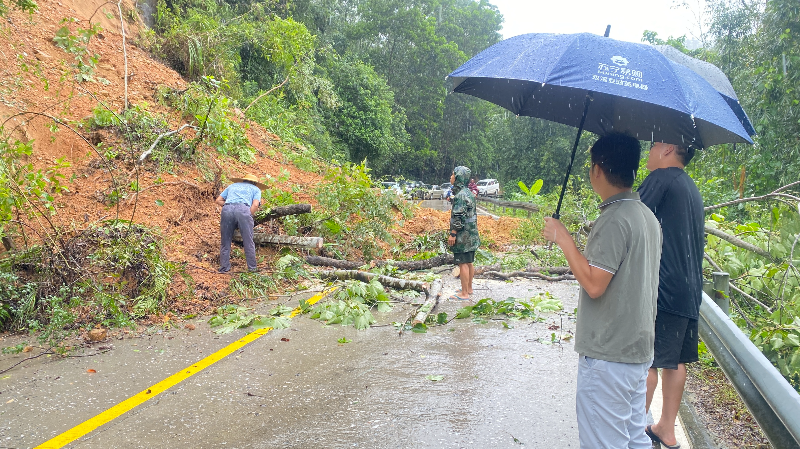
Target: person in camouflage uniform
(464, 238)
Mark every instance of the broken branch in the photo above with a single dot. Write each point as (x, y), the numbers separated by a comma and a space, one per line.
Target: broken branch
(754, 198)
(412, 265)
(282, 211)
(497, 267)
(161, 136)
(426, 308)
(265, 94)
(526, 274)
(365, 276)
(734, 287)
(735, 241)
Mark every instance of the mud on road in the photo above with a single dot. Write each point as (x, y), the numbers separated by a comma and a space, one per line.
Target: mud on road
(299, 387)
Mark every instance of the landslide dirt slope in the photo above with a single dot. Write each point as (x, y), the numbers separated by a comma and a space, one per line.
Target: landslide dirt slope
(37, 77)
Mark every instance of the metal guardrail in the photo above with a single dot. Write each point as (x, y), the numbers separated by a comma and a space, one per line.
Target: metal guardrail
(516, 205)
(772, 401)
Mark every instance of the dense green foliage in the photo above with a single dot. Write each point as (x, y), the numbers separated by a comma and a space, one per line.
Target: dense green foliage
(108, 274)
(28, 6)
(363, 82)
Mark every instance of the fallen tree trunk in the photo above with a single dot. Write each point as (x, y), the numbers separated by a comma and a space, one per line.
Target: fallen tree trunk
(528, 274)
(335, 263)
(412, 265)
(433, 298)
(365, 276)
(282, 211)
(262, 238)
(735, 241)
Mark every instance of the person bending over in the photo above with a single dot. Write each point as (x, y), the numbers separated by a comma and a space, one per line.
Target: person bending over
(239, 202)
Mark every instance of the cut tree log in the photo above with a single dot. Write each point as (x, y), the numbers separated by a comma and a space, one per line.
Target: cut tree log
(282, 211)
(412, 265)
(433, 298)
(365, 276)
(335, 263)
(262, 238)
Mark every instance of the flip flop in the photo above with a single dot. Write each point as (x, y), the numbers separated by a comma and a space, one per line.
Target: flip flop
(455, 297)
(656, 439)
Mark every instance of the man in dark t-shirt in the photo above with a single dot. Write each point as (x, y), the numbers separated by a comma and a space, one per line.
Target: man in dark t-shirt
(675, 201)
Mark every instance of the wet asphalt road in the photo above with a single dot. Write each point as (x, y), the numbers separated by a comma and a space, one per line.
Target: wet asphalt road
(500, 387)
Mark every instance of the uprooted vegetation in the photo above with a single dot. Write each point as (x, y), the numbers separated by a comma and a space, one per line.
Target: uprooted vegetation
(107, 216)
(111, 161)
(109, 274)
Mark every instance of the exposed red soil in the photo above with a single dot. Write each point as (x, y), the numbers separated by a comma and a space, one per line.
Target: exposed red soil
(495, 233)
(37, 77)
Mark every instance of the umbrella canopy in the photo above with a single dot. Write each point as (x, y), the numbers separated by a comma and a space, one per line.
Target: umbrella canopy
(622, 86)
(634, 87)
(714, 76)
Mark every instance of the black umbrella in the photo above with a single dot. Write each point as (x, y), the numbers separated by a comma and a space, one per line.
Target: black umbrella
(633, 88)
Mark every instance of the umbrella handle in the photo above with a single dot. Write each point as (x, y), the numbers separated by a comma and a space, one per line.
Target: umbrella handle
(586, 103)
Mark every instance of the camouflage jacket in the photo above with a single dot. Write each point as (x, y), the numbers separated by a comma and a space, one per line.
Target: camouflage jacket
(464, 219)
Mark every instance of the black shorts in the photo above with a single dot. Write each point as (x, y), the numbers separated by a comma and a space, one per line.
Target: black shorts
(676, 340)
(467, 257)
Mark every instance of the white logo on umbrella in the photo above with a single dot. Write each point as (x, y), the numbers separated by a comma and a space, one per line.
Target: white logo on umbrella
(619, 60)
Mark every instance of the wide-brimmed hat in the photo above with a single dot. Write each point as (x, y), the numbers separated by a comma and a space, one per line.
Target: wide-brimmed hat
(250, 178)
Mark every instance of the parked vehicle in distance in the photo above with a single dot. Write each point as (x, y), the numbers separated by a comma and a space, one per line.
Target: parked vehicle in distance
(418, 191)
(393, 186)
(488, 187)
(435, 193)
(411, 185)
(448, 191)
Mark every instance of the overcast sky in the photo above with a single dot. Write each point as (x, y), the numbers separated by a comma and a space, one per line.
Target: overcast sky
(628, 18)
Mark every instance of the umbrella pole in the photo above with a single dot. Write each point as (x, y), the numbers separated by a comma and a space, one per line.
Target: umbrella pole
(586, 104)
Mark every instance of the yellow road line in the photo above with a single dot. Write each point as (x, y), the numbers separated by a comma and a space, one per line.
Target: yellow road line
(142, 397)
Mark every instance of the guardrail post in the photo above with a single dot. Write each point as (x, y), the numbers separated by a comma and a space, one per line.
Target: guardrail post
(722, 290)
(708, 287)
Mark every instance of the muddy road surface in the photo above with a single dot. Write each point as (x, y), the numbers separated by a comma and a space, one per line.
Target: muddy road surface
(460, 385)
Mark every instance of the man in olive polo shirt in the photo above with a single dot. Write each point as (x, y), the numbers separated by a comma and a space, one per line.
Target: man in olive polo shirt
(618, 274)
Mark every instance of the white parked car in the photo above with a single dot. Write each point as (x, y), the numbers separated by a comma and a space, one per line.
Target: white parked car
(488, 187)
(392, 186)
(435, 193)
